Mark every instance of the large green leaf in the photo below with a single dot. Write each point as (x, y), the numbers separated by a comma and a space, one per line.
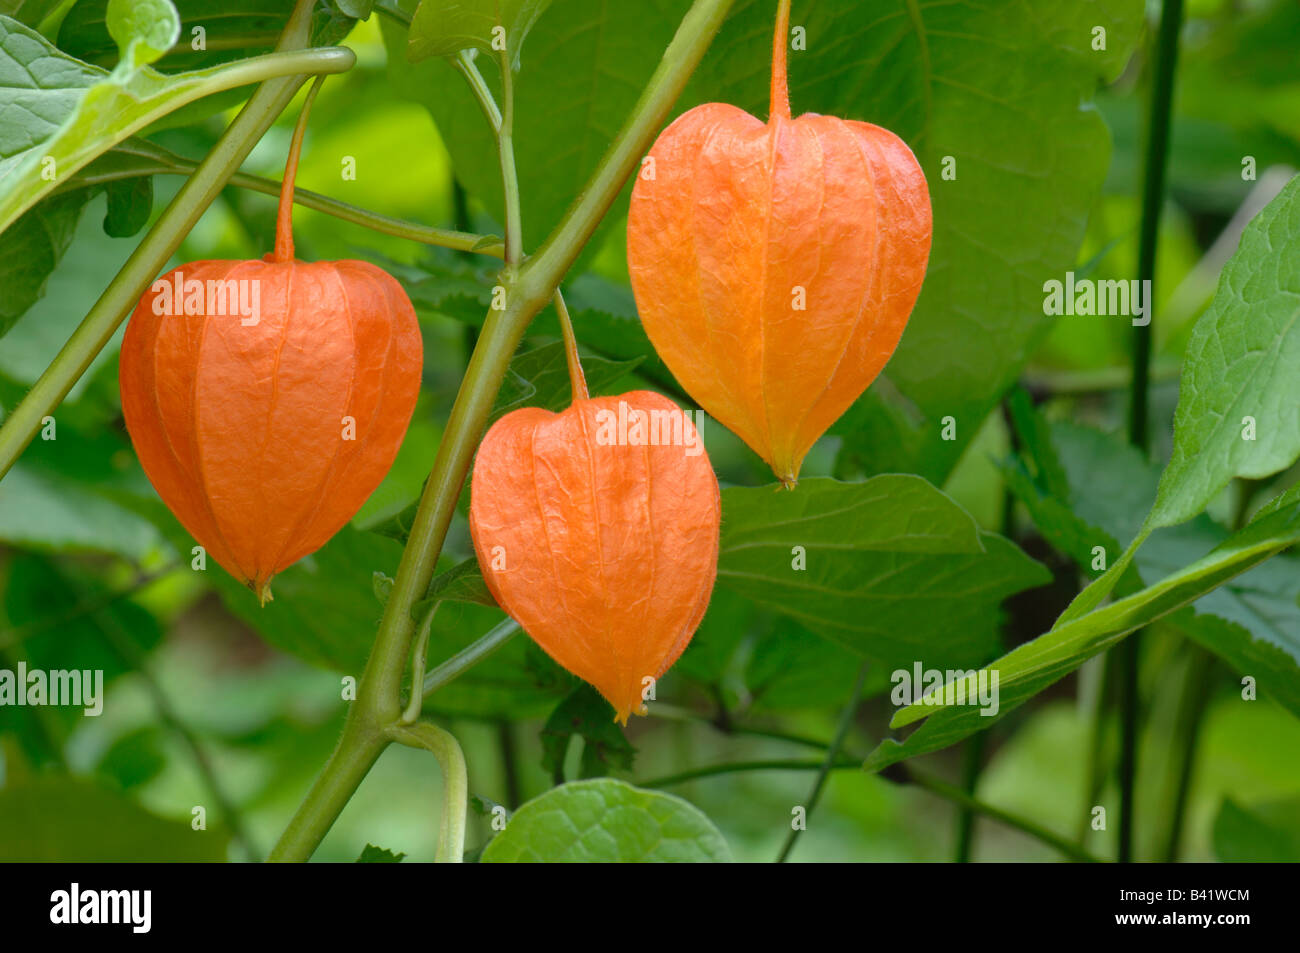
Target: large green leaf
(1253, 621)
(61, 820)
(1027, 670)
(1243, 360)
(895, 570)
(606, 821)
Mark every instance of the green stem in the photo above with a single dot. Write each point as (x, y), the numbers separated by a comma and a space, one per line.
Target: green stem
(464, 62)
(577, 380)
(470, 656)
(933, 785)
(1153, 190)
(415, 702)
(509, 177)
(455, 788)
(166, 235)
(1198, 683)
(379, 692)
(168, 163)
(358, 749)
(832, 756)
(955, 794)
(777, 764)
(972, 756)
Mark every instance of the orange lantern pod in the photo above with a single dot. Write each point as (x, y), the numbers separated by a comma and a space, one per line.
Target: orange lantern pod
(775, 264)
(266, 399)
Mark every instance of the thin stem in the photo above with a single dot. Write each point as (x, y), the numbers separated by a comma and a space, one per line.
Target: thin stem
(122, 644)
(933, 785)
(167, 163)
(455, 788)
(1153, 193)
(734, 767)
(972, 760)
(464, 61)
(416, 701)
(576, 377)
(1153, 189)
(1198, 681)
(284, 216)
(470, 656)
(166, 235)
(832, 756)
(958, 796)
(509, 177)
(780, 83)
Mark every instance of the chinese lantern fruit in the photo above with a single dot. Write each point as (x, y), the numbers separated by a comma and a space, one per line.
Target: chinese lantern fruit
(775, 264)
(266, 399)
(597, 529)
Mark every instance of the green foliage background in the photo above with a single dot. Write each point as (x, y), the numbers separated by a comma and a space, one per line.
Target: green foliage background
(951, 552)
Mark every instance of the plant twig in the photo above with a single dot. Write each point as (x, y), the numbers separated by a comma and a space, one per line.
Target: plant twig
(832, 755)
(455, 787)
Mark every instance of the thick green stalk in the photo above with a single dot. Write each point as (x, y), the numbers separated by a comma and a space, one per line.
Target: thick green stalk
(526, 292)
(151, 255)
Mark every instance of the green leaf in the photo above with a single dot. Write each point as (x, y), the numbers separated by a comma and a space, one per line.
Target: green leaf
(1253, 621)
(382, 585)
(60, 113)
(1260, 834)
(61, 820)
(507, 684)
(445, 27)
(1027, 670)
(379, 855)
(323, 608)
(1243, 360)
(31, 248)
(607, 821)
(586, 714)
(142, 29)
(894, 569)
(357, 9)
(540, 378)
(130, 202)
(461, 583)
